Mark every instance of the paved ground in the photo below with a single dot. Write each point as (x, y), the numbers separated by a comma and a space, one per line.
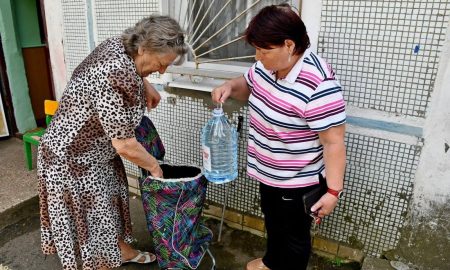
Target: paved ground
(21, 248)
(16, 183)
(20, 240)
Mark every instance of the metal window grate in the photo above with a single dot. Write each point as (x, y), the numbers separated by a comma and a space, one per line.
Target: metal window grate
(112, 17)
(385, 52)
(379, 184)
(214, 29)
(179, 120)
(379, 176)
(76, 34)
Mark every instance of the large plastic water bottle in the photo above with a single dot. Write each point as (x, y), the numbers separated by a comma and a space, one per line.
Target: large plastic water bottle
(219, 148)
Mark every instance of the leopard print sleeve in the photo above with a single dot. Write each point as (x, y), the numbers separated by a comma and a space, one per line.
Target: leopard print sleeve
(119, 103)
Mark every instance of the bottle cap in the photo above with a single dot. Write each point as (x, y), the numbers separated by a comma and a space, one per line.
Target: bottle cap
(218, 111)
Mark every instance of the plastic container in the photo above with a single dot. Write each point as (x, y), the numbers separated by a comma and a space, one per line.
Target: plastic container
(219, 149)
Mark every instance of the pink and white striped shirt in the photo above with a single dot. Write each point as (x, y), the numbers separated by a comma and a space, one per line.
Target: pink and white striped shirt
(285, 117)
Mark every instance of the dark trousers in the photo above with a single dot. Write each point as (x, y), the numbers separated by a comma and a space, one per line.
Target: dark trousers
(288, 227)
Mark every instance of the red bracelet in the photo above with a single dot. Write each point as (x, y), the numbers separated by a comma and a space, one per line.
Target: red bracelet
(336, 193)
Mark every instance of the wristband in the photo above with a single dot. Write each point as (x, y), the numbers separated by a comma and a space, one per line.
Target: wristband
(336, 193)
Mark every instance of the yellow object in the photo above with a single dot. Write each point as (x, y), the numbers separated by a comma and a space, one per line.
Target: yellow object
(50, 107)
(34, 136)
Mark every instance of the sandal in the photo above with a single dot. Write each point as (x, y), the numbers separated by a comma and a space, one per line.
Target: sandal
(149, 258)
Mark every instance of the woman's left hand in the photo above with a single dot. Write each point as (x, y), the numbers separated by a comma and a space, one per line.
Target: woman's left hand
(152, 96)
(325, 205)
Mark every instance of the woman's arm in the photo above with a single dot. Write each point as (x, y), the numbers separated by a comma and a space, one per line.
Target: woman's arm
(334, 157)
(152, 96)
(132, 150)
(236, 88)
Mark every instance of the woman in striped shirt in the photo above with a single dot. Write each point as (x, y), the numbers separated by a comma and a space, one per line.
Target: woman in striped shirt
(296, 133)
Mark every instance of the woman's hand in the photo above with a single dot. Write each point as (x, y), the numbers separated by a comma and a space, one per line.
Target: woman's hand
(152, 96)
(325, 205)
(132, 150)
(221, 93)
(236, 88)
(156, 171)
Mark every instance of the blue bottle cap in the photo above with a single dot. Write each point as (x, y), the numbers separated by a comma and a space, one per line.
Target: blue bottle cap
(217, 112)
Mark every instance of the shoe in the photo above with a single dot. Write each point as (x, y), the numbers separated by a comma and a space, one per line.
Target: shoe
(149, 258)
(257, 264)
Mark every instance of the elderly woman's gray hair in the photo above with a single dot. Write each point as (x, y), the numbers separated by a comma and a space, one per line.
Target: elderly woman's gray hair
(159, 34)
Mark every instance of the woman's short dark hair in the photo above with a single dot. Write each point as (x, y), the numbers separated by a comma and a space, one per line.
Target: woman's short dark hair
(273, 25)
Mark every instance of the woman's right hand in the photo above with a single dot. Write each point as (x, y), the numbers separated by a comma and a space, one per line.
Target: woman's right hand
(156, 171)
(132, 150)
(221, 93)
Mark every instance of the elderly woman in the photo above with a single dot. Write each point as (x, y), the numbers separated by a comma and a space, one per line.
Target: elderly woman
(296, 134)
(83, 189)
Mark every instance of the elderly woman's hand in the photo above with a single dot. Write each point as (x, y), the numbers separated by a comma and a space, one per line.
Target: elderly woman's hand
(132, 150)
(156, 171)
(152, 96)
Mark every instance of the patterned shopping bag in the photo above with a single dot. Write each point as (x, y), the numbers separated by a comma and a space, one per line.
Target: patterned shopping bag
(173, 211)
(148, 136)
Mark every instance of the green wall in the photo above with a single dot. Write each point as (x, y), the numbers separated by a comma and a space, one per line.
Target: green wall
(26, 22)
(15, 69)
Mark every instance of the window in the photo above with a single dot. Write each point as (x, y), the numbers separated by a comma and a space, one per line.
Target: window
(214, 32)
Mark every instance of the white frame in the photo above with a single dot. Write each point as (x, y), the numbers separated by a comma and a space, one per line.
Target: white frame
(4, 133)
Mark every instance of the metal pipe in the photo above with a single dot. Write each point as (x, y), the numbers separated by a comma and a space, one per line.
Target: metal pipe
(224, 59)
(211, 22)
(196, 17)
(223, 45)
(227, 189)
(204, 16)
(215, 34)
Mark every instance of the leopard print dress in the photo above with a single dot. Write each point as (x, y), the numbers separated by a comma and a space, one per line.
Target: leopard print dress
(83, 189)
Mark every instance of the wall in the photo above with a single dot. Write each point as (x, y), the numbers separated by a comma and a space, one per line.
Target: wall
(425, 239)
(433, 175)
(310, 12)
(15, 69)
(388, 55)
(27, 28)
(54, 24)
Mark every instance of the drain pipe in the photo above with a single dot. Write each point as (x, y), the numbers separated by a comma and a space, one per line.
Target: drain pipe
(227, 188)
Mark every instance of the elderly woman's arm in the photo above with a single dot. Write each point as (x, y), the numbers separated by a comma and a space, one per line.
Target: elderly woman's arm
(132, 150)
(152, 96)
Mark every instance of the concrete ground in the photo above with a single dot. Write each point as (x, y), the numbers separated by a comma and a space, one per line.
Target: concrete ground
(21, 250)
(20, 235)
(13, 175)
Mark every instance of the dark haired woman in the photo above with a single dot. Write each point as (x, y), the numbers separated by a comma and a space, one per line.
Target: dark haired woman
(296, 133)
(83, 188)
